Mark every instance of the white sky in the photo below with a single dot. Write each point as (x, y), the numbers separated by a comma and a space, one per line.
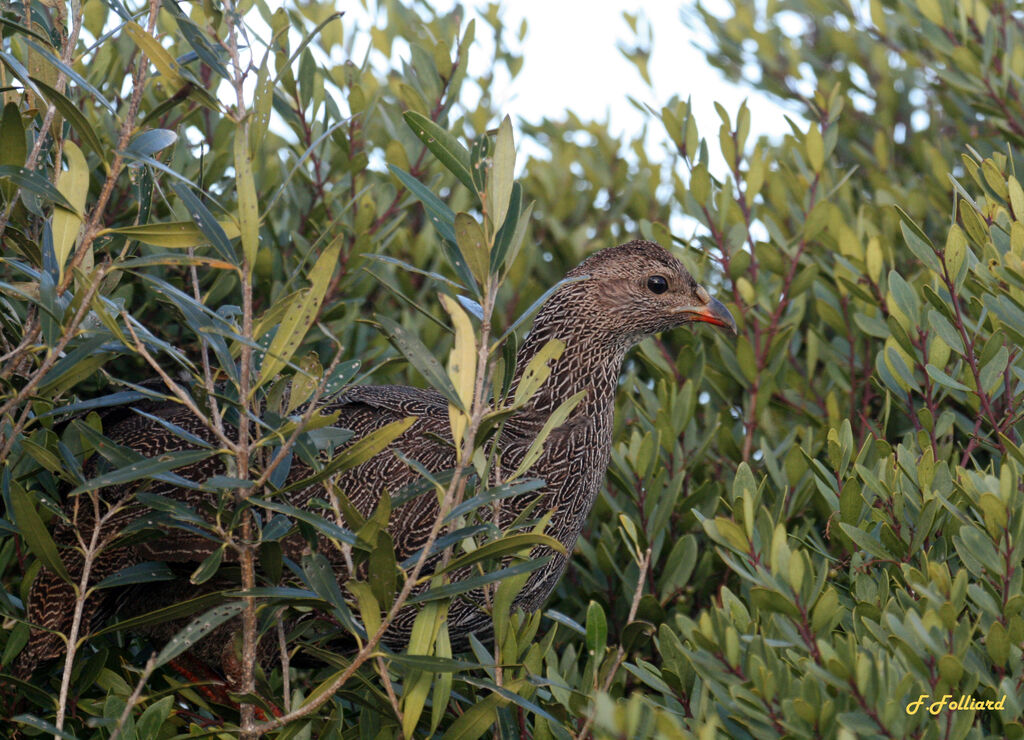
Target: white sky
(572, 62)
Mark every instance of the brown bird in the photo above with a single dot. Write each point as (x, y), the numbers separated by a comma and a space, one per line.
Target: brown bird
(625, 294)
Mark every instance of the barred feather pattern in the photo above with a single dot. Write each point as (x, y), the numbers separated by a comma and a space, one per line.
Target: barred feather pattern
(598, 318)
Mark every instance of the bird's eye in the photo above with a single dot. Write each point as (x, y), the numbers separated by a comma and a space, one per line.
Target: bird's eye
(657, 284)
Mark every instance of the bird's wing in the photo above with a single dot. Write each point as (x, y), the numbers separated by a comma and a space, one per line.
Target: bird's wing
(360, 409)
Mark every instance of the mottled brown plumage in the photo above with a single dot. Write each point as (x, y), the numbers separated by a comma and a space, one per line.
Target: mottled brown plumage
(629, 292)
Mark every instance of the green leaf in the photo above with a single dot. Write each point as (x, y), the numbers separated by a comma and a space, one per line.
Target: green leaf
(507, 545)
(248, 207)
(166, 614)
(34, 532)
(597, 630)
(470, 238)
(324, 581)
(537, 371)
(152, 720)
(161, 58)
(443, 145)
(74, 116)
(300, 316)
(475, 721)
(814, 145)
(73, 184)
(172, 234)
(501, 175)
(461, 370)
(421, 358)
(940, 377)
(57, 63)
(138, 573)
(209, 567)
(43, 725)
(557, 418)
(207, 224)
(350, 457)
(197, 629)
(440, 215)
(466, 585)
(37, 184)
(322, 525)
(146, 467)
(867, 542)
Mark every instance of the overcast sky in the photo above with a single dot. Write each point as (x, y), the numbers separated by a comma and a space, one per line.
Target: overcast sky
(572, 62)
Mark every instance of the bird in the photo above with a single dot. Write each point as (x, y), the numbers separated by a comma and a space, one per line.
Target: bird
(609, 302)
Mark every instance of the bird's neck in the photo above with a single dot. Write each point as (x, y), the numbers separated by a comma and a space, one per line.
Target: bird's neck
(589, 362)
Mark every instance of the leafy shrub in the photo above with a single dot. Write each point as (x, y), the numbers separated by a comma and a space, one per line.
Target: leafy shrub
(803, 532)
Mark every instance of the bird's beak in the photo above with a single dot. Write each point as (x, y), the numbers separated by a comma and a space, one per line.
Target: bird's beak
(713, 312)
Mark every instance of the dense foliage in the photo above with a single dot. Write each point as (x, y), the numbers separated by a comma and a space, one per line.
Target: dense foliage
(804, 530)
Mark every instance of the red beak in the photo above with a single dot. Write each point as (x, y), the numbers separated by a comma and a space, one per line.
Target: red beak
(714, 312)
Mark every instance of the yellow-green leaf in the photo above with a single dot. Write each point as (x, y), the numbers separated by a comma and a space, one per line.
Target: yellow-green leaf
(557, 418)
(73, 184)
(470, 238)
(300, 316)
(171, 234)
(815, 147)
(161, 58)
(501, 174)
(461, 368)
(248, 207)
(537, 371)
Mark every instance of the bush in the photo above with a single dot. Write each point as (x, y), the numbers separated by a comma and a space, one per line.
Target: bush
(813, 531)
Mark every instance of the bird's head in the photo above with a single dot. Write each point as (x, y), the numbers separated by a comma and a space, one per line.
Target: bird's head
(638, 289)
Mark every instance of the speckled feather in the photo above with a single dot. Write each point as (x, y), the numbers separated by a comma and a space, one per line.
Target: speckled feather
(598, 318)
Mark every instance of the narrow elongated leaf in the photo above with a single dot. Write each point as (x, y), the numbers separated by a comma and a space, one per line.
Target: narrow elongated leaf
(173, 234)
(440, 215)
(357, 453)
(597, 630)
(324, 581)
(150, 142)
(324, 526)
(34, 532)
(166, 614)
(248, 207)
(197, 628)
(505, 546)
(144, 468)
(475, 721)
(443, 145)
(461, 369)
(537, 371)
(74, 115)
(471, 242)
(501, 175)
(554, 421)
(301, 315)
(40, 724)
(161, 58)
(421, 358)
(535, 306)
(474, 582)
(505, 490)
(138, 573)
(206, 222)
(505, 237)
(73, 184)
(77, 78)
(35, 183)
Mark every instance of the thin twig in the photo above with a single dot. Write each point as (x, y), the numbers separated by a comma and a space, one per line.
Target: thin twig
(620, 657)
(133, 700)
